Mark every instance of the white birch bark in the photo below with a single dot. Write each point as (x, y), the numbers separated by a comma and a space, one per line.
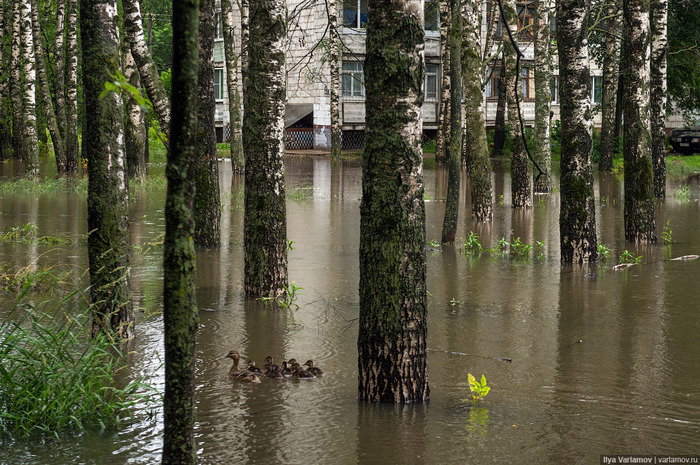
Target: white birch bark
(334, 58)
(659, 51)
(611, 77)
(443, 132)
(16, 82)
(71, 62)
(5, 128)
(136, 137)
(60, 68)
(543, 102)
(30, 153)
(234, 96)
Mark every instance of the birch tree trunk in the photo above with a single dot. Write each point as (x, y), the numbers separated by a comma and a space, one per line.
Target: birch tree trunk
(659, 49)
(30, 143)
(207, 202)
(577, 229)
(640, 201)
(478, 164)
(136, 140)
(60, 70)
(103, 139)
(611, 75)
(71, 139)
(499, 130)
(179, 289)
(45, 92)
(391, 344)
(234, 96)
(265, 223)
(334, 59)
(245, 40)
(454, 148)
(543, 101)
(133, 29)
(443, 132)
(16, 83)
(5, 104)
(519, 164)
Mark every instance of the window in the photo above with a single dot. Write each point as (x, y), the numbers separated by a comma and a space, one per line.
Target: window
(596, 89)
(219, 84)
(493, 84)
(219, 26)
(432, 15)
(355, 13)
(528, 82)
(554, 90)
(525, 21)
(353, 79)
(431, 82)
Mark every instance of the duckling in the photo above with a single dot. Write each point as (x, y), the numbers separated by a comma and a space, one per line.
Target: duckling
(253, 369)
(268, 363)
(248, 377)
(301, 374)
(240, 375)
(291, 362)
(286, 371)
(316, 371)
(273, 372)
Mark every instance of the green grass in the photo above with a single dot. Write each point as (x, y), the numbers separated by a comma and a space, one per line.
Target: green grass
(679, 167)
(45, 185)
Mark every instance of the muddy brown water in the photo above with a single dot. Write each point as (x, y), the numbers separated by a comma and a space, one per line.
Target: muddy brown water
(603, 361)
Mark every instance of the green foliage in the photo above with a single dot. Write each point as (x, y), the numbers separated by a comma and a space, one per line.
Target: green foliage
(628, 257)
(471, 245)
(682, 194)
(667, 233)
(603, 252)
(478, 389)
(44, 186)
(680, 167)
(300, 193)
(429, 146)
(288, 300)
(29, 233)
(684, 56)
(520, 249)
(539, 250)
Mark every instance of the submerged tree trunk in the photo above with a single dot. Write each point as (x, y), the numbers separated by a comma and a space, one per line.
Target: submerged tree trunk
(478, 164)
(659, 50)
(543, 101)
(334, 60)
(103, 136)
(391, 341)
(71, 138)
(611, 74)
(16, 83)
(640, 201)
(30, 143)
(207, 204)
(265, 224)
(577, 229)
(133, 28)
(136, 140)
(499, 130)
(234, 97)
(5, 118)
(519, 164)
(179, 289)
(45, 93)
(443, 133)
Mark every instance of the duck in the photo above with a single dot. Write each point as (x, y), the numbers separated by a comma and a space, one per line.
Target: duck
(316, 371)
(240, 375)
(286, 371)
(253, 369)
(297, 372)
(274, 372)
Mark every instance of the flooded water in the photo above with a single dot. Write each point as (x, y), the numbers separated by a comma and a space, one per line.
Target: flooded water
(603, 361)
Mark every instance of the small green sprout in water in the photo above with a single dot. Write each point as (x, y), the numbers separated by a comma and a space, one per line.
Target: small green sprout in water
(434, 244)
(500, 249)
(478, 389)
(520, 249)
(539, 248)
(682, 193)
(454, 302)
(667, 233)
(286, 301)
(629, 257)
(501, 200)
(603, 252)
(472, 245)
(290, 245)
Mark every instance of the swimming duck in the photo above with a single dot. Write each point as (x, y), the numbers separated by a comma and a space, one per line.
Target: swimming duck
(253, 369)
(316, 371)
(273, 372)
(240, 375)
(286, 371)
(297, 372)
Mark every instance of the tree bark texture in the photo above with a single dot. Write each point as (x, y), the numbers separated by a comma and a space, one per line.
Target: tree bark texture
(59, 72)
(443, 133)
(5, 104)
(391, 342)
(478, 164)
(499, 130)
(659, 49)
(265, 223)
(71, 62)
(16, 83)
(578, 242)
(45, 92)
(30, 143)
(454, 146)
(334, 59)
(640, 201)
(179, 290)
(207, 202)
(136, 140)
(103, 141)
(234, 96)
(133, 28)
(519, 163)
(542, 152)
(611, 75)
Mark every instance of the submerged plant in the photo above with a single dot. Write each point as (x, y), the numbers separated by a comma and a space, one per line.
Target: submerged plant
(29, 233)
(628, 257)
(682, 193)
(288, 300)
(472, 245)
(667, 233)
(520, 249)
(479, 389)
(603, 252)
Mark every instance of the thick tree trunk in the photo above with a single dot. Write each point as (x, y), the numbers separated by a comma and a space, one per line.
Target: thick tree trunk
(519, 164)
(234, 96)
(179, 289)
(443, 133)
(45, 92)
(136, 140)
(454, 148)
(543, 101)
(499, 131)
(5, 105)
(611, 75)
(133, 28)
(103, 139)
(640, 201)
(16, 83)
(30, 143)
(265, 224)
(659, 50)
(334, 59)
(207, 203)
(60, 70)
(71, 138)
(391, 342)
(577, 227)
(478, 164)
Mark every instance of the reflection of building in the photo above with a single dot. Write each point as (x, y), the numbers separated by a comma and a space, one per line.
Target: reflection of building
(308, 74)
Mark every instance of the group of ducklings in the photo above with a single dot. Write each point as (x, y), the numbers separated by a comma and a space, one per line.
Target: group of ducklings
(289, 369)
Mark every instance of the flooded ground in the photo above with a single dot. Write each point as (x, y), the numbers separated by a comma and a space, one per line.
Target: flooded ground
(603, 362)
